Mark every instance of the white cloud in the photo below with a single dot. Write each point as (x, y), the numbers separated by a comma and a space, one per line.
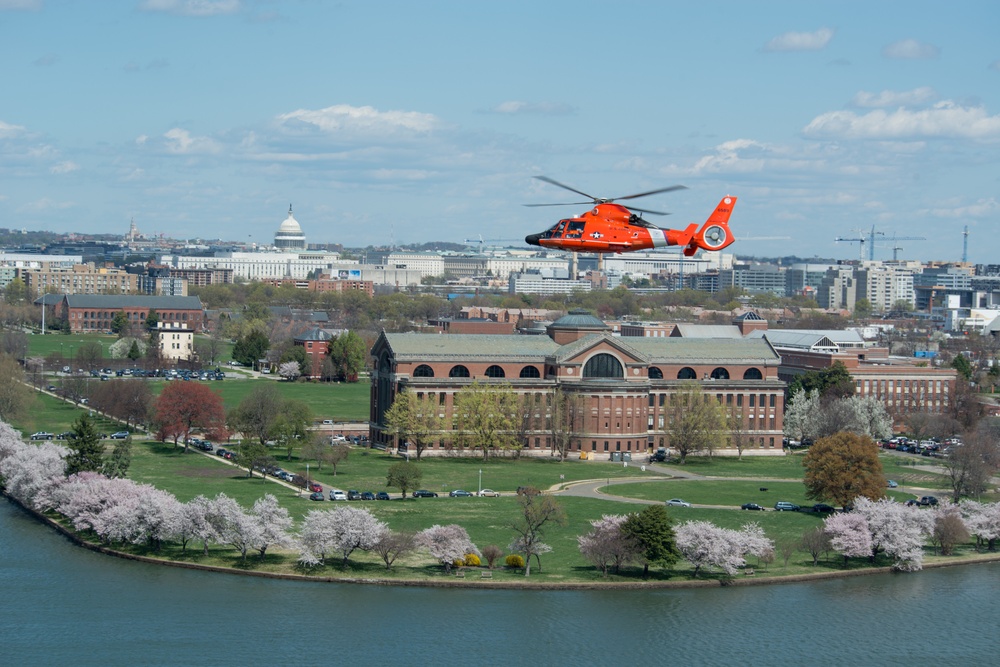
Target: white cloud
(30, 5)
(180, 142)
(64, 167)
(983, 208)
(911, 49)
(944, 119)
(7, 130)
(343, 118)
(891, 98)
(800, 41)
(728, 159)
(541, 108)
(192, 7)
(46, 204)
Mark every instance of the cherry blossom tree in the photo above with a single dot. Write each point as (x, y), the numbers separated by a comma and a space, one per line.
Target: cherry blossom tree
(27, 470)
(195, 524)
(706, 546)
(274, 524)
(233, 525)
(290, 370)
(607, 545)
(447, 544)
(849, 535)
(344, 530)
(898, 530)
(983, 521)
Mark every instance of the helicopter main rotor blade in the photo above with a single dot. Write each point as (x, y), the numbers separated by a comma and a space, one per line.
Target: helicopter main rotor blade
(556, 183)
(672, 188)
(575, 203)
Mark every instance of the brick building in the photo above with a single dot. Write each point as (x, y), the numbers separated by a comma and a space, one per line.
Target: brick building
(95, 312)
(623, 384)
(316, 343)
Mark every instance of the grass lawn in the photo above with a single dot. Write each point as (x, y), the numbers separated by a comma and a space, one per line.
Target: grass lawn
(763, 467)
(65, 345)
(337, 401)
(728, 493)
(56, 416)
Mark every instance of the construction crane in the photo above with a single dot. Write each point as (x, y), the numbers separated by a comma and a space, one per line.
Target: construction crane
(869, 238)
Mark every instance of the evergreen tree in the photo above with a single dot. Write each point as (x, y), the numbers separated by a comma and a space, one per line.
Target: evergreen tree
(654, 531)
(118, 463)
(86, 450)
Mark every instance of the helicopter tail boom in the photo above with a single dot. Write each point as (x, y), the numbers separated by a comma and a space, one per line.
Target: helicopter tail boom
(715, 234)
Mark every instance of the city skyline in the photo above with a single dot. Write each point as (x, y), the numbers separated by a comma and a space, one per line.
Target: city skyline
(391, 122)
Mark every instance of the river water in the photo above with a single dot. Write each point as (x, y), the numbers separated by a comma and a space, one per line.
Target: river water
(63, 605)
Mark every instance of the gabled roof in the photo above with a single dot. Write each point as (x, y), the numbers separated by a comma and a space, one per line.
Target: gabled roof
(706, 331)
(790, 339)
(415, 347)
(314, 335)
(706, 351)
(577, 347)
(133, 301)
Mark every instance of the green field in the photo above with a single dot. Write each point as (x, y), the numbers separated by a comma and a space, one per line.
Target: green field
(65, 344)
(727, 493)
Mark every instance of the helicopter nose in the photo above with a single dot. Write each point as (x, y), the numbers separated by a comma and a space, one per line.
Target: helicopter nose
(532, 239)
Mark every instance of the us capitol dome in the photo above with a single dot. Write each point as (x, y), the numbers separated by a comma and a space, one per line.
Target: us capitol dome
(289, 235)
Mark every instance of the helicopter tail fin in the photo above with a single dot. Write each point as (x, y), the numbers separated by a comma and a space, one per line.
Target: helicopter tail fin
(715, 234)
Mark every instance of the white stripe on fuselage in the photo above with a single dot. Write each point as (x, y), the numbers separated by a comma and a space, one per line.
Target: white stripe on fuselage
(658, 238)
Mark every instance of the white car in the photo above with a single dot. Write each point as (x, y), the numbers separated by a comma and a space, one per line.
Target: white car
(337, 494)
(488, 493)
(677, 502)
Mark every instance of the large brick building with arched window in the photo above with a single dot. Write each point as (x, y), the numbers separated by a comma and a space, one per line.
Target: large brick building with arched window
(624, 385)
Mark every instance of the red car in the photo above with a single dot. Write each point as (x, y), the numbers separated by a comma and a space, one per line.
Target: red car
(316, 487)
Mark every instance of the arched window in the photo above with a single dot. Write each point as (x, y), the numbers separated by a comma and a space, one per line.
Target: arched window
(603, 366)
(720, 373)
(530, 372)
(655, 373)
(495, 371)
(687, 373)
(752, 374)
(423, 371)
(458, 372)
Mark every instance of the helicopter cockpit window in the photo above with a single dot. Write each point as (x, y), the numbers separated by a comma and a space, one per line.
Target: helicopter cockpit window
(560, 228)
(575, 230)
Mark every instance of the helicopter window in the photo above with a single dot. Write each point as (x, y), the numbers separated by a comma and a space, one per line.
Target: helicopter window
(560, 228)
(575, 230)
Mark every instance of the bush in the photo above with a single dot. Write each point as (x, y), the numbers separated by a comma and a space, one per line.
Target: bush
(472, 560)
(514, 560)
(492, 553)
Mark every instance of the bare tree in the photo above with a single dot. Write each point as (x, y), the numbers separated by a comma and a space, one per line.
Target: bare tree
(537, 511)
(971, 464)
(392, 545)
(566, 420)
(696, 421)
(814, 542)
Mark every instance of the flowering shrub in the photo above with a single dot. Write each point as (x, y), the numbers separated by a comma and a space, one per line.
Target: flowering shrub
(514, 560)
(472, 560)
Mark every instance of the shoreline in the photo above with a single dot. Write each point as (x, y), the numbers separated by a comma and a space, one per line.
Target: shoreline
(455, 582)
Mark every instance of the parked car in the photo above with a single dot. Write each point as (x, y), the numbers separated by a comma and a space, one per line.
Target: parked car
(353, 495)
(891, 484)
(783, 506)
(751, 506)
(367, 495)
(424, 493)
(488, 493)
(316, 495)
(42, 435)
(677, 502)
(382, 495)
(315, 486)
(928, 501)
(65, 435)
(459, 493)
(119, 435)
(337, 494)
(205, 446)
(822, 508)
(221, 452)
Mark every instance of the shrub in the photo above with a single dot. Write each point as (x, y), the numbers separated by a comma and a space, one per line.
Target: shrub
(492, 553)
(514, 560)
(472, 560)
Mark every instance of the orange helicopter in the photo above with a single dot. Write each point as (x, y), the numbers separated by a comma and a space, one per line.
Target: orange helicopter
(610, 227)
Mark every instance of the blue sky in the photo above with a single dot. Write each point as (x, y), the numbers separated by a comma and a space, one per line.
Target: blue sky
(419, 121)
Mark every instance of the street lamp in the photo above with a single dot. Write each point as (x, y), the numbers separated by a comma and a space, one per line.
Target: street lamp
(480, 481)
